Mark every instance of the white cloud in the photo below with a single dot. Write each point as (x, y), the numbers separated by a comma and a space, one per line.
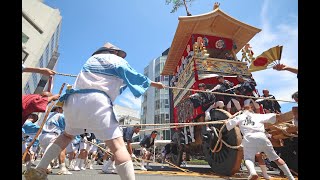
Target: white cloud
(128, 100)
(281, 84)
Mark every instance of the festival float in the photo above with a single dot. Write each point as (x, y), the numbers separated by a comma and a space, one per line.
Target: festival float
(205, 46)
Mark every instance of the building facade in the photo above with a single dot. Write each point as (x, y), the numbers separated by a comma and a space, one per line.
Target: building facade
(41, 27)
(127, 116)
(155, 108)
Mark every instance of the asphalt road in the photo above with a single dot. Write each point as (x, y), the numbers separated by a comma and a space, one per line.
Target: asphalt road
(202, 172)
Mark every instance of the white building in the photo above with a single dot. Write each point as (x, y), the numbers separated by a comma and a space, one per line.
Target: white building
(155, 108)
(41, 26)
(126, 115)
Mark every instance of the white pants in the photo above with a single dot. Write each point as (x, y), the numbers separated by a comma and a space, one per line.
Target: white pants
(93, 149)
(257, 142)
(46, 139)
(91, 111)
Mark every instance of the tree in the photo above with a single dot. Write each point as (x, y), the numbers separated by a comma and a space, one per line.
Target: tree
(179, 3)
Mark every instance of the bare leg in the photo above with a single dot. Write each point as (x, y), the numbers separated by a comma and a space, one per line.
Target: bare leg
(122, 158)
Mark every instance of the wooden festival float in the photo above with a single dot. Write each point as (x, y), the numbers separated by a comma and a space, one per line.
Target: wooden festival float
(198, 54)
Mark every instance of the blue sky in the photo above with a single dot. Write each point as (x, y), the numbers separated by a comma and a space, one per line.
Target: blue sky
(144, 29)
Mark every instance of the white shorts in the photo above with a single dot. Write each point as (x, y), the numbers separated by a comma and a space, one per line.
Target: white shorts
(85, 146)
(72, 148)
(93, 149)
(258, 143)
(91, 111)
(46, 139)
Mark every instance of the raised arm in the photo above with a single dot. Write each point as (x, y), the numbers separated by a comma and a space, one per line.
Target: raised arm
(281, 67)
(44, 71)
(157, 85)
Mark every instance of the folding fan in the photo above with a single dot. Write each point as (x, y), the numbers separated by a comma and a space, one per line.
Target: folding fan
(267, 59)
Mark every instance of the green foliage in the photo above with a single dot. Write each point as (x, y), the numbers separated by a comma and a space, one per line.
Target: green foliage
(177, 4)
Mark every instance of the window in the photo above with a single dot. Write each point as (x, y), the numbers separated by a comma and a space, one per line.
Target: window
(57, 34)
(166, 103)
(42, 83)
(48, 56)
(52, 44)
(145, 96)
(24, 56)
(156, 92)
(27, 89)
(34, 77)
(157, 104)
(161, 66)
(41, 62)
(157, 79)
(156, 119)
(144, 110)
(162, 118)
(25, 38)
(167, 116)
(157, 68)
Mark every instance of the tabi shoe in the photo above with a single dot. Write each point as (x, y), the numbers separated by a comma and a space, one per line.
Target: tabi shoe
(64, 171)
(110, 170)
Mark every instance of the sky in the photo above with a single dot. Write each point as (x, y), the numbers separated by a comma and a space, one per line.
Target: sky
(144, 29)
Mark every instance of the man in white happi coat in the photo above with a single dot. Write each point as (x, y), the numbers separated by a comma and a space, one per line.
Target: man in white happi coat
(89, 105)
(255, 140)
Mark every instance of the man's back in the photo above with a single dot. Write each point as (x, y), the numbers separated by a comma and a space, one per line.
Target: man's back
(99, 72)
(251, 122)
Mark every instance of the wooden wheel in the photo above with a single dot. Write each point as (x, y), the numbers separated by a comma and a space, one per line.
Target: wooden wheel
(226, 161)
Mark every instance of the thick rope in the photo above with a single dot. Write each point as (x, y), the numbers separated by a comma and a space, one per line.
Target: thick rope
(177, 124)
(222, 141)
(42, 124)
(195, 90)
(62, 74)
(140, 159)
(227, 94)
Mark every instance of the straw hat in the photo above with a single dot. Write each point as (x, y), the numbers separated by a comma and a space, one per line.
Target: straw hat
(109, 46)
(57, 105)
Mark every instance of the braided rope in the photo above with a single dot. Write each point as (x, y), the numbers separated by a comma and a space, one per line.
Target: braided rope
(177, 124)
(195, 90)
(227, 94)
(140, 159)
(62, 74)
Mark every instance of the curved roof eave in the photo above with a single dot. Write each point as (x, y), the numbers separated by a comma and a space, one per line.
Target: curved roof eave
(206, 24)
